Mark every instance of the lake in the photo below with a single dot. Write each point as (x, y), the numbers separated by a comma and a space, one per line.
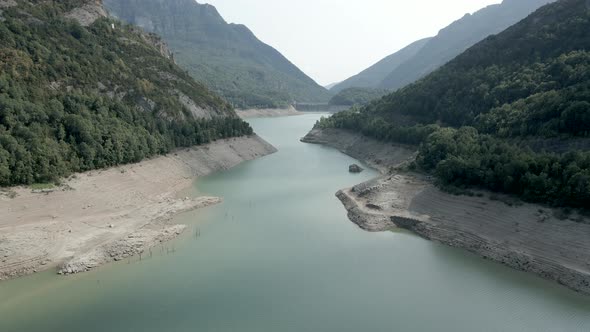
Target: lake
(280, 255)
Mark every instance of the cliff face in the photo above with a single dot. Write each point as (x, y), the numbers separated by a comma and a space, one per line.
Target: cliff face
(88, 13)
(227, 57)
(91, 10)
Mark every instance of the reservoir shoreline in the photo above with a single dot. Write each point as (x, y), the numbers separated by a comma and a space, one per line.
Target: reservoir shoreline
(279, 254)
(107, 215)
(267, 112)
(525, 237)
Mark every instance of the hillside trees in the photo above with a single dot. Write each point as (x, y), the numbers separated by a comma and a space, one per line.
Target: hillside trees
(476, 118)
(75, 99)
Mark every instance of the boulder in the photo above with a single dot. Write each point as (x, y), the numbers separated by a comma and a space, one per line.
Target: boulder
(354, 168)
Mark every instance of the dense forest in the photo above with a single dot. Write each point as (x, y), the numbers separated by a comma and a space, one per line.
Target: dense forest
(531, 81)
(229, 58)
(76, 98)
(356, 96)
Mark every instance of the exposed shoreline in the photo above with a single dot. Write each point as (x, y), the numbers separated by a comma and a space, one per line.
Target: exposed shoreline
(267, 113)
(107, 215)
(526, 237)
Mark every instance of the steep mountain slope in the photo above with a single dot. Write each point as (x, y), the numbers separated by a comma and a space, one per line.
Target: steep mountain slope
(530, 82)
(457, 37)
(374, 75)
(78, 91)
(227, 57)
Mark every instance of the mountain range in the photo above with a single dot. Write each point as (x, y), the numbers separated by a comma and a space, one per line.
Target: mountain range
(479, 119)
(226, 57)
(373, 76)
(423, 57)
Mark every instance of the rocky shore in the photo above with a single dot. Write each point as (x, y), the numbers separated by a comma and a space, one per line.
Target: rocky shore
(108, 215)
(527, 237)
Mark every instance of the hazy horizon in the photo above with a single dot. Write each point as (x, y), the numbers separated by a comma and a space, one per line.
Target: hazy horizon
(328, 47)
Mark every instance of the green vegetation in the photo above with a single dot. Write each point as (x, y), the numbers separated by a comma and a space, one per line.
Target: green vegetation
(532, 81)
(356, 96)
(425, 56)
(75, 99)
(456, 38)
(463, 157)
(227, 57)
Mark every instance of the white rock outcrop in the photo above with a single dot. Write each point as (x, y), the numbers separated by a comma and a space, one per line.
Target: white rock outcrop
(88, 13)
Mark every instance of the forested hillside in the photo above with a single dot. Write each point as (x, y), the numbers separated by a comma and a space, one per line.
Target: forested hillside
(373, 76)
(457, 37)
(531, 81)
(227, 57)
(75, 98)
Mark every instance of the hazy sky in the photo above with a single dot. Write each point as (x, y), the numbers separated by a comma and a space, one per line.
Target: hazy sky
(331, 40)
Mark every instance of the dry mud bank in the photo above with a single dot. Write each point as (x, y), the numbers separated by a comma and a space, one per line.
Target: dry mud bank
(526, 237)
(102, 216)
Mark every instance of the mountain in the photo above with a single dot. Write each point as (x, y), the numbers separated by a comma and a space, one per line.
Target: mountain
(227, 57)
(374, 75)
(475, 117)
(457, 37)
(330, 86)
(80, 91)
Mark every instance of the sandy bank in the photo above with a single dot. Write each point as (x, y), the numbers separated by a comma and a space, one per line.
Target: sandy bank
(268, 113)
(376, 154)
(526, 237)
(101, 216)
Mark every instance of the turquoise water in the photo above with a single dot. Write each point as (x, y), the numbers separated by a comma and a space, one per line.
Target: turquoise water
(280, 255)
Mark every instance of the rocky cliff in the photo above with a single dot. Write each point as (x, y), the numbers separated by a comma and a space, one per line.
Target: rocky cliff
(88, 12)
(229, 58)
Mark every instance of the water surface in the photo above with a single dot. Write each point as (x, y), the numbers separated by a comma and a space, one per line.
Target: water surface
(280, 255)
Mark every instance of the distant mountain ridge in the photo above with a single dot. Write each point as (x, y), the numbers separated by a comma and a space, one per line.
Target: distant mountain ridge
(424, 56)
(458, 37)
(227, 57)
(373, 76)
(331, 85)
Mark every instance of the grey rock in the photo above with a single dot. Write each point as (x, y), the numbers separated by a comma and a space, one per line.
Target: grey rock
(354, 168)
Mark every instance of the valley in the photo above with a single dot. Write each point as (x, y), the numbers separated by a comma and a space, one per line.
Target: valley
(163, 168)
(279, 254)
